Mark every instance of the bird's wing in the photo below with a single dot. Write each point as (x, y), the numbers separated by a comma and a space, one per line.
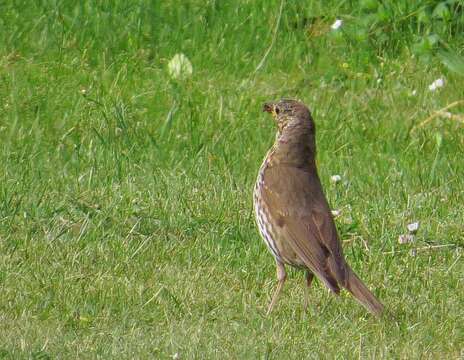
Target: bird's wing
(296, 201)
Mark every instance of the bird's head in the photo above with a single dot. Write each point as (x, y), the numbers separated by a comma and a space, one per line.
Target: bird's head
(289, 112)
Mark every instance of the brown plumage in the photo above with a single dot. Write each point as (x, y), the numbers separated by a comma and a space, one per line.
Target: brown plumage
(292, 212)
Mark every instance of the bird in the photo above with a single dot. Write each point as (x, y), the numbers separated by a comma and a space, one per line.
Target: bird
(292, 213)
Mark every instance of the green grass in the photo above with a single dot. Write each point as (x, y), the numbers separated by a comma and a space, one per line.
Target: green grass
(126, 224)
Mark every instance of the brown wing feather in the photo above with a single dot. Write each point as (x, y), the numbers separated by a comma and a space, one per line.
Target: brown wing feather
(295, 197)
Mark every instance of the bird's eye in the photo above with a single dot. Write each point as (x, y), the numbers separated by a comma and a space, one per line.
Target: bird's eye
(277, 110)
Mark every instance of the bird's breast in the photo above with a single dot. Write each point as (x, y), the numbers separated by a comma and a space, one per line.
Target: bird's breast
(272, 228)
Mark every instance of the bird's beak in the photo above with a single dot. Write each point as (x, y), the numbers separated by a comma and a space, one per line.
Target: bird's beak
(270, 108)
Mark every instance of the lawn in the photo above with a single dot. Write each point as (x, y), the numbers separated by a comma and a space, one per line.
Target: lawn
(126, 222)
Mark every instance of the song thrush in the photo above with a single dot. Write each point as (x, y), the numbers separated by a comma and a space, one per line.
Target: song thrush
(292, 213)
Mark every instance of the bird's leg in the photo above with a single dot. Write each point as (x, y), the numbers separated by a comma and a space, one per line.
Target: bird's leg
(281, 277)
(309, 279)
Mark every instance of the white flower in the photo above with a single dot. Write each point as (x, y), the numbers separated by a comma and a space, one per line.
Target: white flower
(405, 238)
(176, 356)
(447, 114)
(414, 92)
(413, 227)
(437, 84)
(337, 24)
(336, 213)
(335, 178)
(180, 67)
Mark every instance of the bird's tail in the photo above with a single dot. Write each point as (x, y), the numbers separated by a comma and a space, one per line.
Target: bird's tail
(356, 287)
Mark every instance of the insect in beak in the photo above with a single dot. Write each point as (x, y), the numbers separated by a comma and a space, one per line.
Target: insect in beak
(271, 108)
